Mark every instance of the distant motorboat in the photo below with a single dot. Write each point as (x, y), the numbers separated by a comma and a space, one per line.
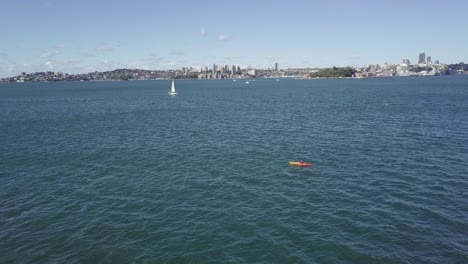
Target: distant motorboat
(247, 82)
(172, 91)
(234, 80)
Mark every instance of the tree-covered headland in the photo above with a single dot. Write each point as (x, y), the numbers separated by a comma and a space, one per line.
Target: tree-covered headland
(334, 72)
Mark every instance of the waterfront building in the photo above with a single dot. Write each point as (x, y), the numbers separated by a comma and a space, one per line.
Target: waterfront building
(276, 66)
(406, 61)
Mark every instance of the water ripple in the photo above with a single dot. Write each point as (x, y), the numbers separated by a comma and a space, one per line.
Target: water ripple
(118, 172)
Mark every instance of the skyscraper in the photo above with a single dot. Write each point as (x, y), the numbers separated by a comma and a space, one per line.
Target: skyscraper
(406, 61)
(422, 58)
(276, 66)
(215, 68)
(429, 59)
(234, 69)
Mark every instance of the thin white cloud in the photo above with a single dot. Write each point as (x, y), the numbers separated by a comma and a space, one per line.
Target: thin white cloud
(50, 53)
(99, 50)
(68, 66)
(306, 63)
(222, 37)
(88, 54)
(272, 59)
(228, 58)
(46, 54)
(50, 3)
(16, 69)
(73, 62)
(170, 65)
(176, 53)
(153, 57)
(48, 64)
(103, 49)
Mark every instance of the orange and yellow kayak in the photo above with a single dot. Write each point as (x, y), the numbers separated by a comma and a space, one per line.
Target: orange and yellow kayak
(300, 164)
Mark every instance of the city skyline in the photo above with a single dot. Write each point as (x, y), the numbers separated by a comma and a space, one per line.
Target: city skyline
(87, 36)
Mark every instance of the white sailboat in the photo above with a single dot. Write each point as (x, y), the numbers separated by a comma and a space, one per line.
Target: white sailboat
(172, 91)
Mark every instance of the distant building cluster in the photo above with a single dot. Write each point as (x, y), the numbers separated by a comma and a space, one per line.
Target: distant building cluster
(216, 72)
(424, 67)
(223, 72)
(233, 72)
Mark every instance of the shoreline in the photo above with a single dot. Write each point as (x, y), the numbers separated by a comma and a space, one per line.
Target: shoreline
(229, 79)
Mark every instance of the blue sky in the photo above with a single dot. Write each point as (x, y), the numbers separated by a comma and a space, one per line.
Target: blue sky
(84, 36)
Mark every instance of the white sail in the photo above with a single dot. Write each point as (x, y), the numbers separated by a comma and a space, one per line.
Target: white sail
(173, 87)
(172, 92)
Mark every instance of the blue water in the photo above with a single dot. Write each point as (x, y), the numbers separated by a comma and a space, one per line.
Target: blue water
(119, 172)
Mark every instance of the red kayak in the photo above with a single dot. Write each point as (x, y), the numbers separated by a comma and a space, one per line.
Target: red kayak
(300, 163)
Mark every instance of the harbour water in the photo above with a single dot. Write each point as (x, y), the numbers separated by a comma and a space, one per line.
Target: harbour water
(120, 172)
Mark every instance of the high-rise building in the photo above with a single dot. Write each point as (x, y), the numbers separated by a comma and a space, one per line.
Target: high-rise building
(422, 58)
(436, 61)
(234, 69)
(406, 61)
(429, 59)
(215, 68)
(238, 70)
(276, 66)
